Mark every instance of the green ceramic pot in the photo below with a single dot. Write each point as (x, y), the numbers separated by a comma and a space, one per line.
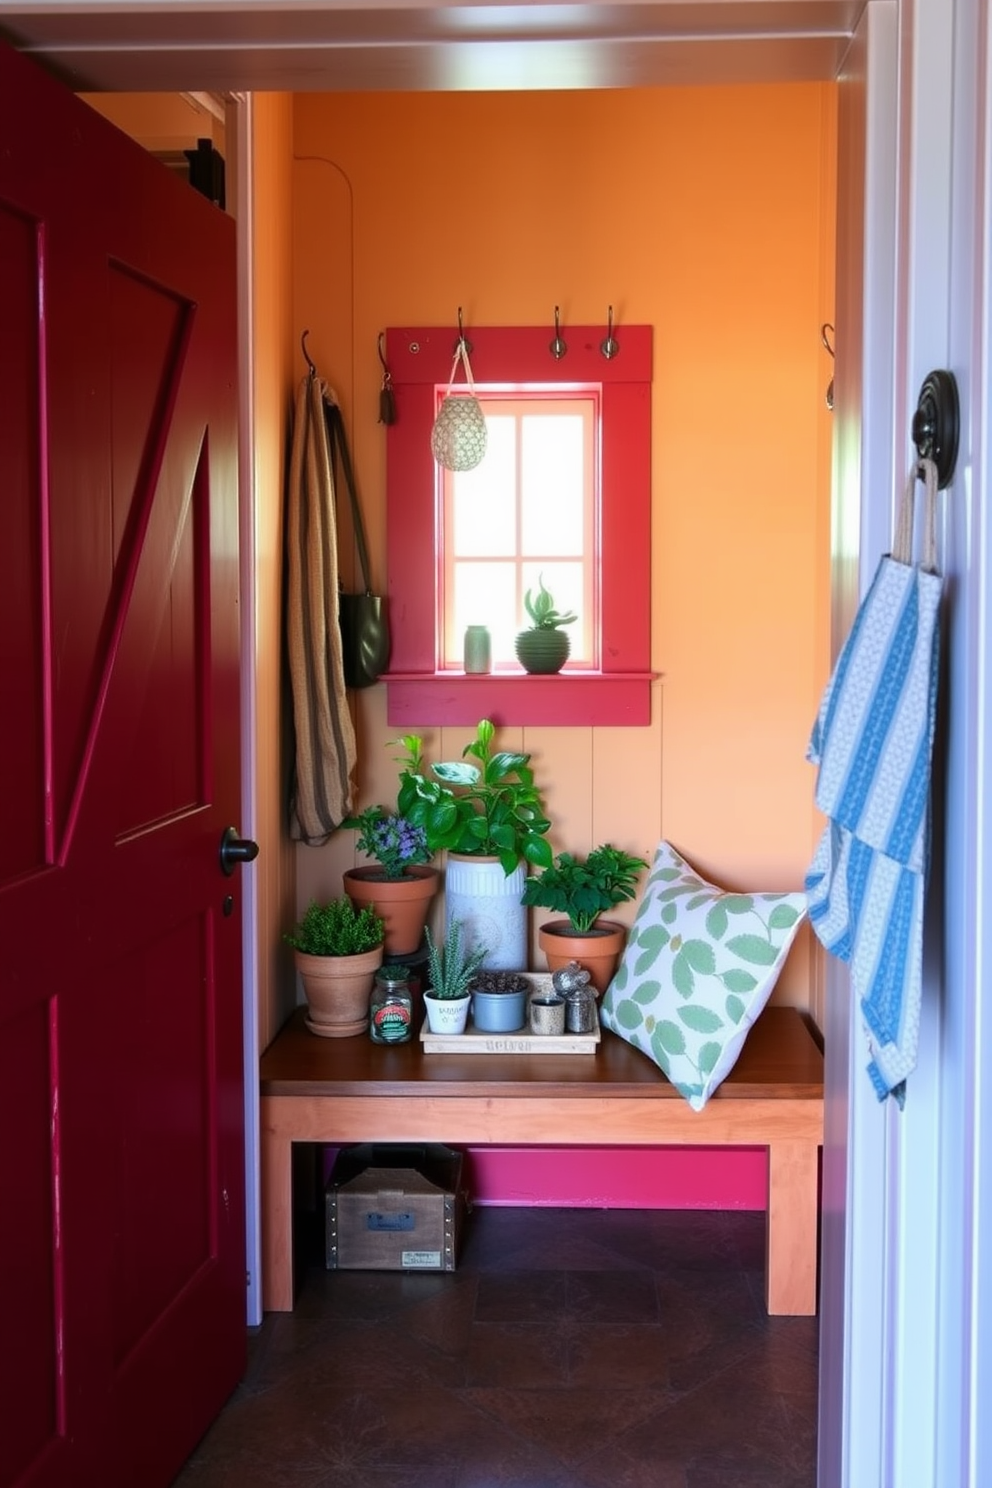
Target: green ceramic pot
(542, 650)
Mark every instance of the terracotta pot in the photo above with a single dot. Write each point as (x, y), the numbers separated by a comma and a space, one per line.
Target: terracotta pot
(403, 902)
(338, 990)
(599, 950)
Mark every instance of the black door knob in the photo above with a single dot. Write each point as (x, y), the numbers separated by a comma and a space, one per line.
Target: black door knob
(235, 850)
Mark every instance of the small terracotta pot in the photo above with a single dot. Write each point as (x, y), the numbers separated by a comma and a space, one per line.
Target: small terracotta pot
(599, 950)
(339, 990)
(403, 903)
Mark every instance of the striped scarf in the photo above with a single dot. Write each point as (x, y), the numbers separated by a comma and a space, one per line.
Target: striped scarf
(323, 792)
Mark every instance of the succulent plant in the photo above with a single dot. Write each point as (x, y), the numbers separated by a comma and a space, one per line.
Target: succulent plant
(541, 609)
(451, 967)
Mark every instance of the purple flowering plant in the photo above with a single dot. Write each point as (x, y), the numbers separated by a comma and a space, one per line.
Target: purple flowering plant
(393, 841)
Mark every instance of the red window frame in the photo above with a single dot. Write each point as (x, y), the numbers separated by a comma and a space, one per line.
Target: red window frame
(418, 693)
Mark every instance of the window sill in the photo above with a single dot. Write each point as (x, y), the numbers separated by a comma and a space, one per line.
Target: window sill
(416, 699)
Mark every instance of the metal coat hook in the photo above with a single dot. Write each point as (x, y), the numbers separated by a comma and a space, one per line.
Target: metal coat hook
(826, 331)
(461, 342)
(557, 347)
(306, 354)
(387, 403)
(610, 347)
(936, 423)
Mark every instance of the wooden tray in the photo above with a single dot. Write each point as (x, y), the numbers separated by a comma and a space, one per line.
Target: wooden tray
(520, 1042)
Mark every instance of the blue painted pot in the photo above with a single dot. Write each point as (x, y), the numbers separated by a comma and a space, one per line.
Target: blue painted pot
(499, 1012)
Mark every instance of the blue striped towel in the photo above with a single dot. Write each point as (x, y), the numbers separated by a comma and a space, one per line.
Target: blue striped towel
(873, 741)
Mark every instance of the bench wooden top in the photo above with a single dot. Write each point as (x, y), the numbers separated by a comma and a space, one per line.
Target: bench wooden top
(779, 1060)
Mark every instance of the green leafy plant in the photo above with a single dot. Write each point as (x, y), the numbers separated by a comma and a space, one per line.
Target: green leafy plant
(584, 888)
(393, 972)
(541, 609)
(394, 842)
(450, 966)
(336, 929)
(489, 808)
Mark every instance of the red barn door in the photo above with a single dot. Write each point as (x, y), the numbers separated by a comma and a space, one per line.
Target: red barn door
(121, 1118)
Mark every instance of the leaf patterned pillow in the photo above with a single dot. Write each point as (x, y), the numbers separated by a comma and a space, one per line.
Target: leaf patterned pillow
(699, 965)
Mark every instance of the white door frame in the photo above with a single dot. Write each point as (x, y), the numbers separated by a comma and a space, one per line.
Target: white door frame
(240, 145)
(905, 1374)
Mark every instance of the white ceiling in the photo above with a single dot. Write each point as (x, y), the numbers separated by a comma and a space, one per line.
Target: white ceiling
(319, 45)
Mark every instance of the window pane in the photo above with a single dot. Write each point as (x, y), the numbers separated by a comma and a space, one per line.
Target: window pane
(552, 483)
(484, 594)
(483, 500)
(528, 507)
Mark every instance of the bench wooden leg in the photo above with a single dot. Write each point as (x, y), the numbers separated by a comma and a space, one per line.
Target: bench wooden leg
(277, 1221)
(791, 1238)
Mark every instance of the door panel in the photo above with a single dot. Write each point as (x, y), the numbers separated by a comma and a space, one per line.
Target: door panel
(22, 840)
(121, 1083)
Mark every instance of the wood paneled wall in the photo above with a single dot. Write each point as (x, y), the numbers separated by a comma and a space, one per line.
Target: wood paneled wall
(708, 213)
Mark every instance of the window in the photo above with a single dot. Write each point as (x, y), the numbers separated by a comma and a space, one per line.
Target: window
(526, 515)
(564, 491)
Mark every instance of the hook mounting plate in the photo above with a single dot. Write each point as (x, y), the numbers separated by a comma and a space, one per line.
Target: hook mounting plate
(936, 424)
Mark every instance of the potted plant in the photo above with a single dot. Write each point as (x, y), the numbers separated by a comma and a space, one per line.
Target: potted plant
(543, 647)
(499, 1001)
(583, 889)
(337, 951)
(451, 967)
(486, 812)
(402, 884)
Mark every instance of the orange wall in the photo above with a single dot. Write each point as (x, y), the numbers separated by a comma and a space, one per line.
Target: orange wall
(707, 213)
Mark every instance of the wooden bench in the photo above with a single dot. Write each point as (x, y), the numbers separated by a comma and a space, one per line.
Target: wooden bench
(351, 1090)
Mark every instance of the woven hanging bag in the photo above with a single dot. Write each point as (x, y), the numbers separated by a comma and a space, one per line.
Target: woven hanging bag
(458, 438)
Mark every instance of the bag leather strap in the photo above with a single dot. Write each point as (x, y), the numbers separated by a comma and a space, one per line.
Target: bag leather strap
(339, 452)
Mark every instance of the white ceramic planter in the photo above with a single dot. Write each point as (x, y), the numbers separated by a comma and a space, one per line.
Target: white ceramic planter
(487, 902)
(447, 1014)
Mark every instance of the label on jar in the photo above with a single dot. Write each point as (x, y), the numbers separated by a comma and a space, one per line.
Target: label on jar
(391, 1022)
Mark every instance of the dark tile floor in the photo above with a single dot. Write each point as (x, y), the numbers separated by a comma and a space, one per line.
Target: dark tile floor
(571, 1349)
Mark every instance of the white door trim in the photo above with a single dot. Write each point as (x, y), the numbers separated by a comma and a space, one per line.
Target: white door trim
(917, 1304)
(240, 136)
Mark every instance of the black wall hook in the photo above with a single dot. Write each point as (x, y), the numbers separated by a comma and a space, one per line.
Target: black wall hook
(609, 346)
(462, 342)
(557, 347)
(306, 355)
(936, 424)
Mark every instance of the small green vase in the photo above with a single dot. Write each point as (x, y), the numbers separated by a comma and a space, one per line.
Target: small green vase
(542, 649)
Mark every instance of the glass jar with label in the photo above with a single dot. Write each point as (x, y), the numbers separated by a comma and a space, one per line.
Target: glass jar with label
(391, 1007)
